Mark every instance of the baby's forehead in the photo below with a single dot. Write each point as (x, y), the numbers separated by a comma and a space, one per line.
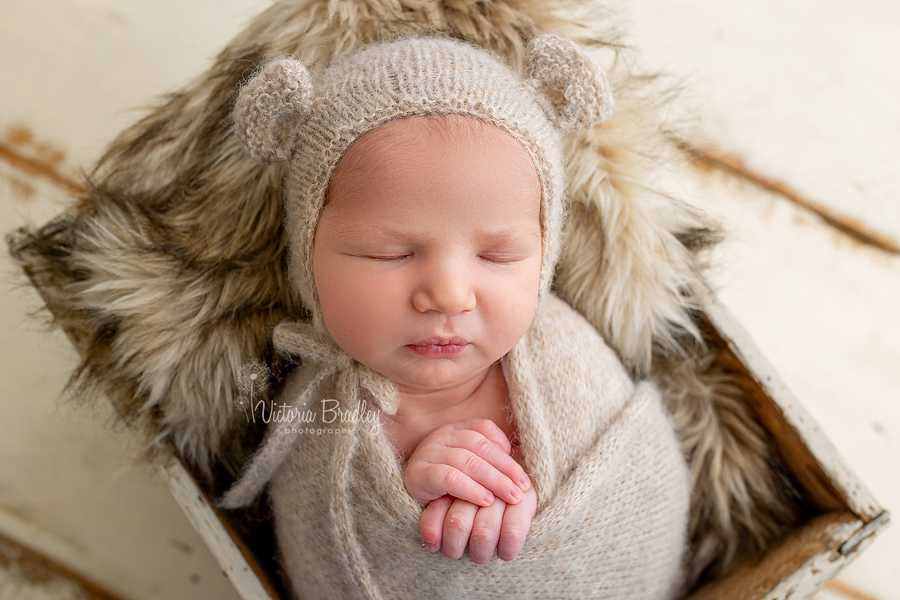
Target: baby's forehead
(410, 174)
(432, 130)
(396, 146)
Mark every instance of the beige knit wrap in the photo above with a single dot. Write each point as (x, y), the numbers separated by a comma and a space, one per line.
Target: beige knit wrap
(611, 482)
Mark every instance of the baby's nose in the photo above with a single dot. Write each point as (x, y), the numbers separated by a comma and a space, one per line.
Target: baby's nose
(448, 291)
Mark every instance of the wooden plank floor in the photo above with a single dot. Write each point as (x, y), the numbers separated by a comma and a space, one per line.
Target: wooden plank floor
(790, 111)
(791, 108)
(79, 71)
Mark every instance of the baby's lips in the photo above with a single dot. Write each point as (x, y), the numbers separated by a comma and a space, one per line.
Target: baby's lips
(442, 341)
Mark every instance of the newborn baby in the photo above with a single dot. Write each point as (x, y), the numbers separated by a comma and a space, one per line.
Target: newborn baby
(427, 261)
(448, 396)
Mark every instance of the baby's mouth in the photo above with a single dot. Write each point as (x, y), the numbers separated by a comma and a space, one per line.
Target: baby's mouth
(437, 347)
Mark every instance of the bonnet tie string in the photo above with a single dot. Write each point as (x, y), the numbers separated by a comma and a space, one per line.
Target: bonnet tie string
(353, 377)
(304, 341)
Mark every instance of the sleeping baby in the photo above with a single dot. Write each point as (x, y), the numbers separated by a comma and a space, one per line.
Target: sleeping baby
(470, 435)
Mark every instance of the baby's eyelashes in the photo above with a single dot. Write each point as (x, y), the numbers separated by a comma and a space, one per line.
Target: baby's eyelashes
(378, 255)
(501, 259)
(388, 258)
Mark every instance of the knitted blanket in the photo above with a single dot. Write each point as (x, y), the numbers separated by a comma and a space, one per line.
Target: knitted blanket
(611, 482)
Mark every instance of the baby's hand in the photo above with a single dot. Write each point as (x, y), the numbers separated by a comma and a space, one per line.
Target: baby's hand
(448, 523)
(469, 460)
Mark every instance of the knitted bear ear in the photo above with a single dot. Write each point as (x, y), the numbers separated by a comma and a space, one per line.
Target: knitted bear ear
(270, 107)
(573, 82)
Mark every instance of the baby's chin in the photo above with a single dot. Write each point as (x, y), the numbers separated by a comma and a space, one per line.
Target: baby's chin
(436, 374)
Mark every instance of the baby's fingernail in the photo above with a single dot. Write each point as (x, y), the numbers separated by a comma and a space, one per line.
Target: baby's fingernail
(431, 547)
(489, 498)
(524, 482)
(515, 493)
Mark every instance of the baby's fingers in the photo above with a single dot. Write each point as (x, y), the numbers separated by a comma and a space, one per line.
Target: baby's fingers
(466, 464)
(495, 473)
(488, 429)
(516, 525)
(457, 528)
(432, 525)
(427, 482)
(486, 532)
(488, 464)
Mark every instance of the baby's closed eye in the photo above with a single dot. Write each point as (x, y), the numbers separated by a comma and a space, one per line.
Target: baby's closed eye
(387, 257)
(502, 258)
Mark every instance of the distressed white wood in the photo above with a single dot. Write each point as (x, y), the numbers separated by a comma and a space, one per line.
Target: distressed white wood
(848, 541)
(15, 587)
(830, 594)
(27, 575)
(217, 538)
(848, 485)
(803, 91)
(71, 81)
(79, 71)
(822, 309)
(815, 573)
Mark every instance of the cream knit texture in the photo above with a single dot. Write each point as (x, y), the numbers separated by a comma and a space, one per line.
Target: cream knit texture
(612, 484)
(281, 115)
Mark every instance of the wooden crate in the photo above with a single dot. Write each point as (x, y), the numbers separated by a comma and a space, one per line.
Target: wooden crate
(846, 516)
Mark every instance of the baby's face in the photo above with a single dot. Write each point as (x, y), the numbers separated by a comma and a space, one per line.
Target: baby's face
(427, 255)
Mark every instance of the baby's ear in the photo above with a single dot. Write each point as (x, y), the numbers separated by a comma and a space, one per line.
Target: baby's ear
(270, 107)
(573, 82)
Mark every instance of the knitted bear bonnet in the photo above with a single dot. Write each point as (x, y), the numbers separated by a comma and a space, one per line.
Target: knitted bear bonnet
(281, 115)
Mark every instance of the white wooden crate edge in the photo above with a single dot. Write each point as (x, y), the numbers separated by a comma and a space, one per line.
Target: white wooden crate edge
(845, 544)
(203, 518)
(851, 538)
(857, 496)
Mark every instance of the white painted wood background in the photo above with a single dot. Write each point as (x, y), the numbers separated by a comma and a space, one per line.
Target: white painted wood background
(798, 95)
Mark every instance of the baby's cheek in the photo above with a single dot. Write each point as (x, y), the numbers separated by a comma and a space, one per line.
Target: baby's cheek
(359, 311)
(515, 299)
